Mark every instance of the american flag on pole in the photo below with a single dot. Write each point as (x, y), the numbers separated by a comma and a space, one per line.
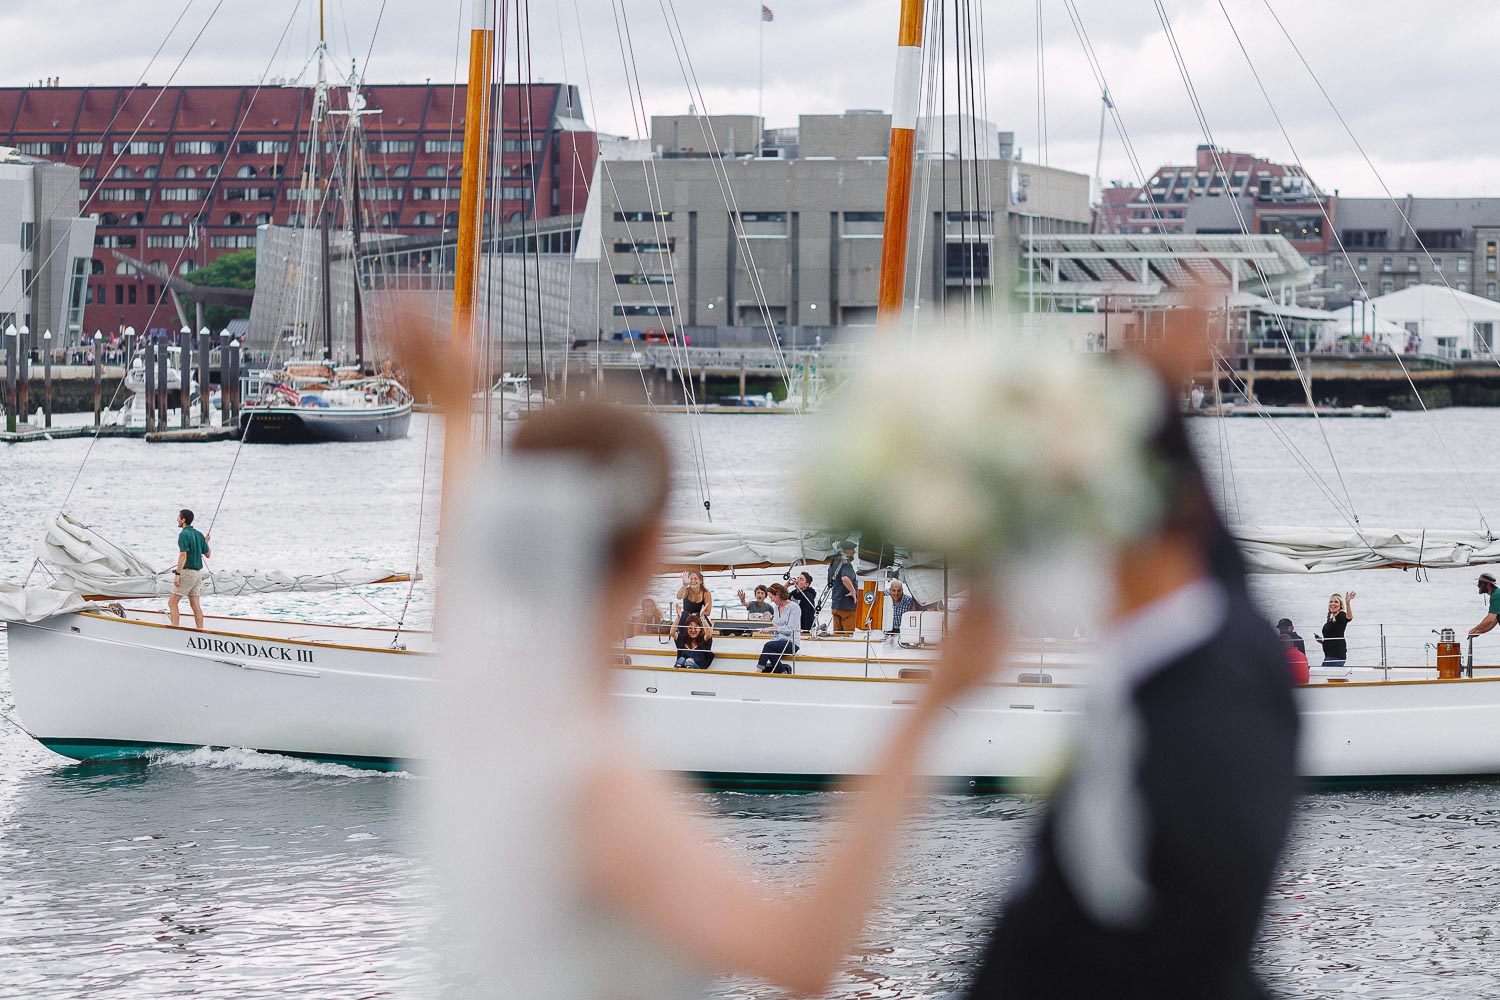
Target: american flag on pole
(765, 13)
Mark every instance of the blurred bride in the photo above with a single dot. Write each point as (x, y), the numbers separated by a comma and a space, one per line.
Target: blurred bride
(570, 869)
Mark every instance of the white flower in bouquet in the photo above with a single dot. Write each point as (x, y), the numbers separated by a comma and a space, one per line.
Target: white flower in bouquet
(984, 449)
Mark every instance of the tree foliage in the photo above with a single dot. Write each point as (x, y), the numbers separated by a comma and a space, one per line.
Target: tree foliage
(232, 270)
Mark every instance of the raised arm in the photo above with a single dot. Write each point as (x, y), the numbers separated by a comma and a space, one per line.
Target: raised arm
(659, 867)
(1349, 605)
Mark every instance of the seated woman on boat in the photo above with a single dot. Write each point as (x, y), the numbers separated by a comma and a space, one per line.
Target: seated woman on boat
(695, 644)
(572, 869)
(785, 625)
(648, 620)
(695, 598)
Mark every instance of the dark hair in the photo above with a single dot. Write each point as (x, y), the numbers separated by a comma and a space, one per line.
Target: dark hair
(805, 575)
(778, 590)
(603, 435)
(186, 515)
(761, 588)
(1285, 623)
(682, 638)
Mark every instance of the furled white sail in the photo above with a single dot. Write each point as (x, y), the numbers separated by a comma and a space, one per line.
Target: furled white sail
(1334, 550)
(83, 564)
(706, 546)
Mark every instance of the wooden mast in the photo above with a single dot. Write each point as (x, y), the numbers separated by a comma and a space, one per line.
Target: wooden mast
(898, 178)
(457, 432)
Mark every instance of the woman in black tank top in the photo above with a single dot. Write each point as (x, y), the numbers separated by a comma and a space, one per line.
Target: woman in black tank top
(695, 598)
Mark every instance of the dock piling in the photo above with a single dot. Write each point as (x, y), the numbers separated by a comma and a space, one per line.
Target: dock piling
(98, 378)
(47, 379)
(185, 371)
(11, 342)
(163, 384)
(23, 374)
(148, 369)
(203, 377)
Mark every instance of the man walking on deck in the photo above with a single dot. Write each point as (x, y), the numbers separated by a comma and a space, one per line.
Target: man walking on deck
(187, 578)
(843, 588)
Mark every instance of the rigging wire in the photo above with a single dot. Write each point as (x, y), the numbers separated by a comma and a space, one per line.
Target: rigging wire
(1101, 80)
(1344, 253)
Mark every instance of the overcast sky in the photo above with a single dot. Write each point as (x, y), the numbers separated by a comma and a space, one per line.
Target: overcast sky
(1416, 82)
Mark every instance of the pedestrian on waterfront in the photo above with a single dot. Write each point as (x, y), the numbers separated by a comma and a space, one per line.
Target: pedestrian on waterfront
(1492, 606)
(695, 644)
(843, 588)
(695, 598)
(1149, 873)
(758, 608)
(783, 632)
(573, 869)
(806, 597)
(187, 578)
(1340, 614)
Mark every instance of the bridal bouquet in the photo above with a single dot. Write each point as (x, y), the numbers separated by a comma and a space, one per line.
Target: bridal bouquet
(980, 450)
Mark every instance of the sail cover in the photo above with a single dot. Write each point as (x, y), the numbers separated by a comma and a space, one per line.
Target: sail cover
(83, 564)
(711, 546)
(1336, 550)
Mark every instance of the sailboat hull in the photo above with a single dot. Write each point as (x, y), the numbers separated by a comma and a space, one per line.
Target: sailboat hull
(100, 687)
(310, 424)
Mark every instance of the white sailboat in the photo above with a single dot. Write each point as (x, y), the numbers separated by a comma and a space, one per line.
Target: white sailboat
(99, 683)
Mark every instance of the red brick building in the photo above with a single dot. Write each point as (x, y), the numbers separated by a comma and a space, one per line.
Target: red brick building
(1273, 198)
(180, 175)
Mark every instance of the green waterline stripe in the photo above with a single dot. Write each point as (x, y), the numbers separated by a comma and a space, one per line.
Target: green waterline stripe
(114, 750)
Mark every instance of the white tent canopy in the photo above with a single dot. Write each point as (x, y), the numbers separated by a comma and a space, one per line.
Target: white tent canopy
(1444, 318)
(1348, 322)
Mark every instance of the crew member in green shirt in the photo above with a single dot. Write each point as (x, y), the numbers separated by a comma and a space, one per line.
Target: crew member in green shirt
(1487, 588)
(187, 578)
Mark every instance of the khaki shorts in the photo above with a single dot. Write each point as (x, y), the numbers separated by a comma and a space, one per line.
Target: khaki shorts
(189, 582)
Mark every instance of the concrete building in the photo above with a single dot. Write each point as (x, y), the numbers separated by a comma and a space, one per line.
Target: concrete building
(44, 248)
(725, 246)
(177, 176)
(1450, 241)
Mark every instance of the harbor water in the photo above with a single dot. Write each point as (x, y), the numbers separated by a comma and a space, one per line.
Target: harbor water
(230, 874)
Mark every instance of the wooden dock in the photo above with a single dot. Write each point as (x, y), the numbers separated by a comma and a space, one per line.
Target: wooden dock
(179, 435)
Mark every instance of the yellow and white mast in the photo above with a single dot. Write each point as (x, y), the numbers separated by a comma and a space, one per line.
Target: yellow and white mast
(456, 441)
(903, 151)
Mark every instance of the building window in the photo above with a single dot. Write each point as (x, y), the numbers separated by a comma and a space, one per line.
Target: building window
(515, 192)
(176, 242)
(1490, 290)
(1463, 265)
(521, 145)
(197, 147)
(1411, 263)
(643, 216)
(1462, 286)
(181, 194)
(443, 146)
(643, 279)
(246, 171)
(424, 219)
(44, 148)
(967, 262)
(28, 235)
(864, 216)
(114, 242)
(249, 194)
(1338, 286)
(435, 193)
(654, 309)
(263, 147)
(628, 246)
(87, 173)
(1441, 239)
(1386, 287)
(1315, 261)
(437, 170)
(1437, 263)
(394, 146)
(234, 219)
(969, 216)
(140, 147)
(402, 171)
(150, 295)
(119, 295)
(96, 267)
(231, 242)
(1363, 263)
(1336, 264)
(186, 267)
(762, 216)
(1361, 239)
(1385, 263)
(125, 194)
(26, 276)
(171, 219)
(130, 293)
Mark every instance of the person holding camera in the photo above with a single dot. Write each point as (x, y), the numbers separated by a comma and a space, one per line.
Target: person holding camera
(695, 644)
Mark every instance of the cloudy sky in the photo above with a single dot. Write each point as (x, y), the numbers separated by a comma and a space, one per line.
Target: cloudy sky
(1415, 82)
